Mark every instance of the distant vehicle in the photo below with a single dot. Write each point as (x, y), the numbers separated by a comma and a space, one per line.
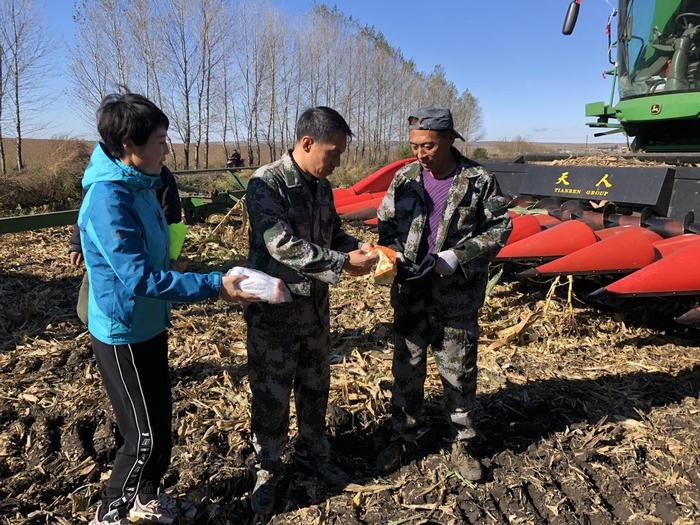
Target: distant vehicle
(234, 160)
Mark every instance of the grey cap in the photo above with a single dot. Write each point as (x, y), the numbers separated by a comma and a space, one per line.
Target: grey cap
(433, 118)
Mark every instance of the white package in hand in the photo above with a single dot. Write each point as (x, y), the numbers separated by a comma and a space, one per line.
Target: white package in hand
(265, 287)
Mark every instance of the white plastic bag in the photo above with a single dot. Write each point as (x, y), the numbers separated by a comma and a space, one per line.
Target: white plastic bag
(267, 288)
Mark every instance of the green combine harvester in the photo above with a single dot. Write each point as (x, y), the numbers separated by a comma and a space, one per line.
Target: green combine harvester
(656, 74)
(603, 219)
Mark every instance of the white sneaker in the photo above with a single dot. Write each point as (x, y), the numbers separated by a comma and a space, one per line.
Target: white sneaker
(162, 509)
(115, 517)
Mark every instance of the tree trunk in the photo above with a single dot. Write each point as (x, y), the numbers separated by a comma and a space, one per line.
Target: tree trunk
(18, 112)
(3, 166)
(207, 107)
(225, 116)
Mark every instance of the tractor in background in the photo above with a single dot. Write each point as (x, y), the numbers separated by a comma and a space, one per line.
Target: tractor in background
(630, 224)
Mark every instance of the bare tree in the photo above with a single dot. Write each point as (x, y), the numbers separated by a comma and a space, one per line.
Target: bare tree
(213, 26)
(183, 67)
(468, 117)
(243, 73)
(251, 67)
(146, 27)
(99, 59)
(3, 85)
(27, 47)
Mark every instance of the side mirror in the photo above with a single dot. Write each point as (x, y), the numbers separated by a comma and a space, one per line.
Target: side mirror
(571, 16)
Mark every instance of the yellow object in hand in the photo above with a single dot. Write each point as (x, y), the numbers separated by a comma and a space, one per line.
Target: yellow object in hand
(176, 238)
(385, 270)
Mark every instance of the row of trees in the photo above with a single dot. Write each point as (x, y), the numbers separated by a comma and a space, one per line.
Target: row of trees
(240, 74)
(24, 50)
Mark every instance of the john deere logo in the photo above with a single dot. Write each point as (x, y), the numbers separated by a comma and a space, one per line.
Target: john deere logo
(655, 109)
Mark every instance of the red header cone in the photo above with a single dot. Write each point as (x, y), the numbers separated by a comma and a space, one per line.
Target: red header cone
(671, 245)
(676, 274)
(627, 251)
(351, 199)
(559, 240)
(523, 226)
(380, 179)
(546, 221)
(355, 206)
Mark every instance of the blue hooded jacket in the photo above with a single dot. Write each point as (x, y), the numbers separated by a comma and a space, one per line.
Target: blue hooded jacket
(124, 237)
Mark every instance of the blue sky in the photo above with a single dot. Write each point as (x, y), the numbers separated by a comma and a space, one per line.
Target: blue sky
(531, 80)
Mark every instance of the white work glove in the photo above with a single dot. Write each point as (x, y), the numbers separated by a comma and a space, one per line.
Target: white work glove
(446, 263)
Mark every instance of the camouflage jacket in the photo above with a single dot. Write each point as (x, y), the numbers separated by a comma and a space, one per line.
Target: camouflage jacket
(474, 225)
(294, 234)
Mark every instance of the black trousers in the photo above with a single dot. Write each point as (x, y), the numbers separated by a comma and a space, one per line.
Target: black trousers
(137, 381)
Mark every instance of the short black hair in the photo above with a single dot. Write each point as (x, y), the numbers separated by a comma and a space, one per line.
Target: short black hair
(321, 123)
(128, 116)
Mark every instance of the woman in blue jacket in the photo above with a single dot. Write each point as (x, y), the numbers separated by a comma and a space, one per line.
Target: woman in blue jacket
(124, 239)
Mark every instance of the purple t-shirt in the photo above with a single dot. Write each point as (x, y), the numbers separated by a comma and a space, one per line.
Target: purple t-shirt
(436, 191)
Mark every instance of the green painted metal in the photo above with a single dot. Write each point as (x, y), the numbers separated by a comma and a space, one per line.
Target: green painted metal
(665, 107)
(599, 109)
(198, 208)
(659, 93)
(37, 221)
(205, 171)
(195, 207)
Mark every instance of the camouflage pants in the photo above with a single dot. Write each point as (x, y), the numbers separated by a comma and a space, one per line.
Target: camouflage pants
(442, 315)
(288, 347)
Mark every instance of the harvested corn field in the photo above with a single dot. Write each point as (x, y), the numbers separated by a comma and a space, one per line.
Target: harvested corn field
(586, 416)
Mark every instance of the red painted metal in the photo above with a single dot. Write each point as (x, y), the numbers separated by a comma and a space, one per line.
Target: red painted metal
(627, 250)
(546, 221)
(616, 230)
(671, 245)
(344, 201)
(676, 274)
(559, 240)
(380, 179)
(372, 203)
(372, 222)
(342, 193)
(523, 226)
(616, 219)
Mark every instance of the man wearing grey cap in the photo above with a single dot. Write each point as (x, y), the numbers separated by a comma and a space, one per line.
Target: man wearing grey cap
(444, 213)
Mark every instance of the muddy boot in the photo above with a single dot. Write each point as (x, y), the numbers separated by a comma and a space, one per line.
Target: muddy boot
(398, 452)
(324, 470)
(263, 498)
(464, 463)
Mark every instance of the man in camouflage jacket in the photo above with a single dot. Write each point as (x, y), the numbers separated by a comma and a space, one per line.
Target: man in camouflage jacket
(295, 235)
(445, 214)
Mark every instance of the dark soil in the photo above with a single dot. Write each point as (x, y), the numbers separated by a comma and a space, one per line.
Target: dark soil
(585, 416)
